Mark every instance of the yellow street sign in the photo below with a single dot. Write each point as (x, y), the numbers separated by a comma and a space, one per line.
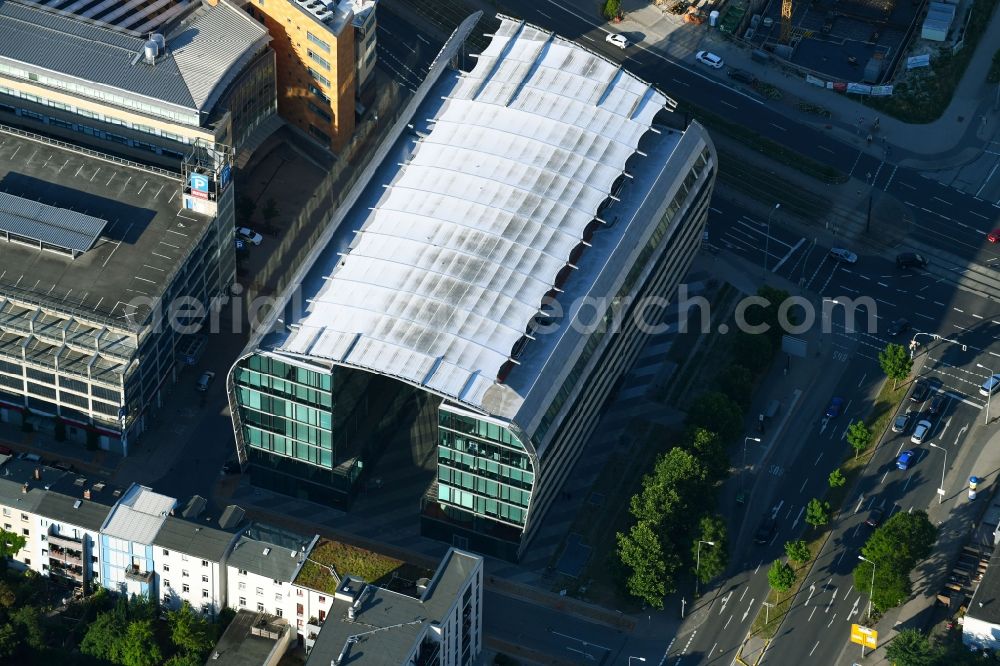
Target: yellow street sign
(864, 636)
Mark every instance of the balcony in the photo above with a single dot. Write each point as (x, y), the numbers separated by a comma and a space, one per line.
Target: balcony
(71, 572)
(133, 573)
(63, 541)
(66, 555)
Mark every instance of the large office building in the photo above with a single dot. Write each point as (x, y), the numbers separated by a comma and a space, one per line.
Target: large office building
(144, 80)
(518, 225)
(98, 255)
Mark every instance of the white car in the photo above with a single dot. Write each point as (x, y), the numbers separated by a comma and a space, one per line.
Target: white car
(843, 256)
(249, 235)
(990, 386)
(921, 432)
(710, 59)
(617, 40)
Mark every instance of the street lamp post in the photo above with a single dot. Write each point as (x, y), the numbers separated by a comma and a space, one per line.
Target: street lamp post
(697, 566)
(767, 613)
(988, 393)
(871, 592)
(742, 471)
(944, 466)
(767, 238)
(636, 658)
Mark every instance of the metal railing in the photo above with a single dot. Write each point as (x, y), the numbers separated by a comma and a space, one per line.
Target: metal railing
(38, 138)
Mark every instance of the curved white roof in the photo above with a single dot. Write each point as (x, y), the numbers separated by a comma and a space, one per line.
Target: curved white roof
(453, 262)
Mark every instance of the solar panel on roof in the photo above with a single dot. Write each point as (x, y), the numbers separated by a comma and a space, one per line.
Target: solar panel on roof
(55, 227)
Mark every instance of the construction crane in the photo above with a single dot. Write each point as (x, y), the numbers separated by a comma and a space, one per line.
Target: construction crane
(786, 20)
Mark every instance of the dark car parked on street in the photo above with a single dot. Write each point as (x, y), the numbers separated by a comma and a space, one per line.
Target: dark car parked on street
(741, 75)
(921, 390)
(766, 531)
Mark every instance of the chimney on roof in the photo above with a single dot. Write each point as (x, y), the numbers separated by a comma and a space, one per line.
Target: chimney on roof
(38, 474)
(86, 494)
(24, 488)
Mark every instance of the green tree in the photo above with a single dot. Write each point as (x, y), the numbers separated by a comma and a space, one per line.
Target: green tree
(7, 595)
(754, 351)
(780, 576)
(641, 552)
(736, 382)
(895, 548)
(716, 412)
(678, 481)
(189, 631)
(797, 551)
(859, 437)
(139, 646)
(911, 648)
(714, 558)
(710, 450)
(896, 363)
(611, 9)
(10, 544)
(28, 620)
(836, 478)
(184, 659)
(10, 641)
(103, 639)
(817, 512)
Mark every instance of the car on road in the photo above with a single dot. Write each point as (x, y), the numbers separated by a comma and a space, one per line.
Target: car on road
(921, 390)
(205, 380)
(990, 386)
(833, 411)
(616, 40)
(249, 235)
(898, 327)
(710, 59)
(843, 256)
(905, 459)
(921, 432)
(765, 532)
(911, 260)
(938, 403)
(741, 75)
(875, 518)
(993, 236)
(903, 422)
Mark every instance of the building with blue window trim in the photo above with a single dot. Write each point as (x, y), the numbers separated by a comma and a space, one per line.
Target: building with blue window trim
(127, 537)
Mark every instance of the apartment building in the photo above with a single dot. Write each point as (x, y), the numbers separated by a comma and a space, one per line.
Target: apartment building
(262, 567)
(438, 621)
(127, 537)
(507, 202)
(69, 519)
(23, 485)
(139, 80)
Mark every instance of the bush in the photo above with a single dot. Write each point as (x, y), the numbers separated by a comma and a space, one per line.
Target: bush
(612, 8)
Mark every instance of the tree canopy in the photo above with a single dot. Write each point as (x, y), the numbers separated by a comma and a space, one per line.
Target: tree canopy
(896, 362)
(895, 548)
(716, 412)
(780, 576)
(859, 436)
(817, 512)
(797, 551)
(714, 558)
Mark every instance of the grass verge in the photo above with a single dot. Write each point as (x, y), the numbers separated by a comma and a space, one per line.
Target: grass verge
(925, 96)
(601, 580)
(767, 147)
(879, 417)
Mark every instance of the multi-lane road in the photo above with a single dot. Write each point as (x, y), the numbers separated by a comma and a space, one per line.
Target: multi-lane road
(947, 225)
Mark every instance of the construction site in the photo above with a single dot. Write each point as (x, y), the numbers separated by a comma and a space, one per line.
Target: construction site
(837, 40)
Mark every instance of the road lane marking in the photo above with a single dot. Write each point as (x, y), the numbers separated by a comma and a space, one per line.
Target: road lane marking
(811, 614)
(731, 106)
(942, 200)
(826, 149)
(977, 316)
(798, 517)
(814, 648)
(957, 310)
(818, 459)
(747, 588)
(803, 485)
(727, 622)
(747, 612)
(972, 212)
(681, 82)
(725, 600)
(712, 651)
(779, 127)
(882, 284)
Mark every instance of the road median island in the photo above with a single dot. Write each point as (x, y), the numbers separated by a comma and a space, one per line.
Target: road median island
(879, 419)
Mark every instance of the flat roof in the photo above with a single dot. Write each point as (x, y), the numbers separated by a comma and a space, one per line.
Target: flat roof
(193, 538)
(65, 502)
(271, 552)
(445, 273)
(147, 239)
(203, 53)
(238, 646)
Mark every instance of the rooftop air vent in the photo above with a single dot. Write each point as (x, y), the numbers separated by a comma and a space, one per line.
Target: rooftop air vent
(267, 551)
(149, 51)
(161, 42)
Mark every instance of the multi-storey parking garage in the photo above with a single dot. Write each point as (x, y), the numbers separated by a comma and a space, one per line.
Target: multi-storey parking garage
(518, 226)
(93, 253)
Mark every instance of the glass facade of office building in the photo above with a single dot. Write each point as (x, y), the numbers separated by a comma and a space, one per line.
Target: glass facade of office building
(297, 426)
(484, 483)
